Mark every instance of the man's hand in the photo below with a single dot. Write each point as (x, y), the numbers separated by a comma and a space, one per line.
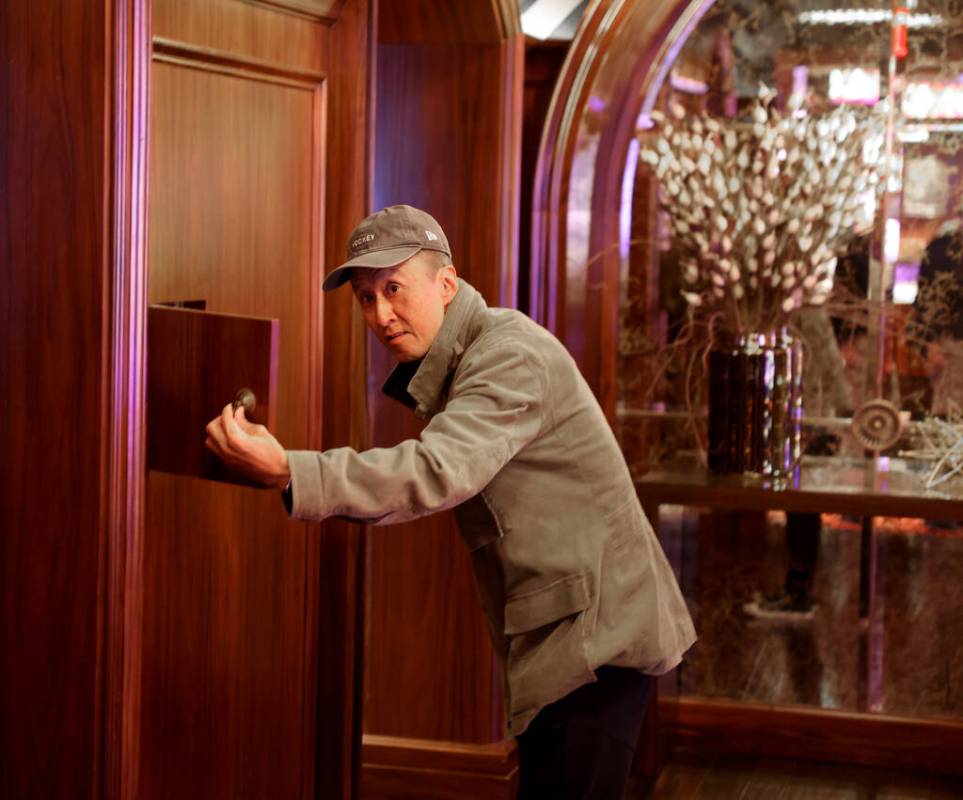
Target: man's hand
(248, 448)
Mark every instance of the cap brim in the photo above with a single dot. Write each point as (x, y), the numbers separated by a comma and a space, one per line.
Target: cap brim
(374, 259)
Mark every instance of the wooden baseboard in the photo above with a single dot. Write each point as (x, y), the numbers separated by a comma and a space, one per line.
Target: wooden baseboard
(397, 767)
(819, 734)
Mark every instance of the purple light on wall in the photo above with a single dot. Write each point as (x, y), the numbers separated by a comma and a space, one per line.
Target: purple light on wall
(625, 206)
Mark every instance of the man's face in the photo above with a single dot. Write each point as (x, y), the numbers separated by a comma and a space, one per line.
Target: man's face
(404, 306)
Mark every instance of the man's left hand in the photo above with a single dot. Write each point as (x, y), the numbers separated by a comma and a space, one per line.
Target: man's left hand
(248, 448)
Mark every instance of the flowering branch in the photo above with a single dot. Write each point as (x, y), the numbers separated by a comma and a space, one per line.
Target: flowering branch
(760, 208)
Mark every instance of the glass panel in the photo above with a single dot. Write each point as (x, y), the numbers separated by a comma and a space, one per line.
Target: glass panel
(893, 324)
(885, 629)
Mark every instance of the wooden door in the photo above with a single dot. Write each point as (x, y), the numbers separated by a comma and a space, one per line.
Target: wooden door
(246, 691)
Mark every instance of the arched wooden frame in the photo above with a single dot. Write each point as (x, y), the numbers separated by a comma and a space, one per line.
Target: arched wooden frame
(614, 69)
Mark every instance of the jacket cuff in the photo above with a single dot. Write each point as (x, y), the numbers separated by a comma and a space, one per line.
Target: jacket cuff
(307, 489)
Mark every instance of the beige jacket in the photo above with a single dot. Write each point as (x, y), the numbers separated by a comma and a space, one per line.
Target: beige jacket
(569, 572)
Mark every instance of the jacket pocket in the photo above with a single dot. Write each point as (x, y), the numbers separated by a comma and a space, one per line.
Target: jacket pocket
(547, 631)
(558, 599)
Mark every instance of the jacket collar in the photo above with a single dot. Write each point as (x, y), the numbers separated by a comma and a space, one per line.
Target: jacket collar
(424, 390)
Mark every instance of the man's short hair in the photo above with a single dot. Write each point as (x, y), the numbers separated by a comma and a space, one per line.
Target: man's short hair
(432, 259)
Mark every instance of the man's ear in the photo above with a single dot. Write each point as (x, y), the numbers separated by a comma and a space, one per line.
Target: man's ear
(449, 288)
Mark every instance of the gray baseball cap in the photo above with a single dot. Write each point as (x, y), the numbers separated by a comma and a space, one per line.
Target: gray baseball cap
(388, 238)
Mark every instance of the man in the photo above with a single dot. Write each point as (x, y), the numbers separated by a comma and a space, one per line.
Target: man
(581, 603)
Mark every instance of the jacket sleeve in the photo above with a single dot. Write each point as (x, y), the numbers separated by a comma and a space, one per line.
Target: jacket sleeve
(495, 407)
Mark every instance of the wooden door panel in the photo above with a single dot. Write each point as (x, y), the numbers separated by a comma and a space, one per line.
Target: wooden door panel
(230, 585)
(249, 30)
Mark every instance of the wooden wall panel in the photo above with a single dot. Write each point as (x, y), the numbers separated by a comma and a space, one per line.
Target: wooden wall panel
(448, 128)
(54, 251)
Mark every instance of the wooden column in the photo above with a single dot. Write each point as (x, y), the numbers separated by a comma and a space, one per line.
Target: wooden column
(72, 188)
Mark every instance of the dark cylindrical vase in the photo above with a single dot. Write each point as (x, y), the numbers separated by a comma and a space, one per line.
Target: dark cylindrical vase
(755, 405)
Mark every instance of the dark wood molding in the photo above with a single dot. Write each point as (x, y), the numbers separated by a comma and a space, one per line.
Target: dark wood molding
(125, 430)
(613, 62)
(324, 11)
(807, 733)
(397, 767)
(185, 54)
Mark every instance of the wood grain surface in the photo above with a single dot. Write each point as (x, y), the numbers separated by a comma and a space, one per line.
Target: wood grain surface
(55, 135)
(430, 22)
(448, 131)
(404, 767)
(250, 619)
(576, 246)
(198, 362)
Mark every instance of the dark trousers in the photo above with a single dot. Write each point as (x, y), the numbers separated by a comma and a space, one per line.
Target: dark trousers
(581, 747)
(802, 542)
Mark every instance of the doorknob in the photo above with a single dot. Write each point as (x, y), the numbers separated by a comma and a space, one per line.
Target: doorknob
(245, 398)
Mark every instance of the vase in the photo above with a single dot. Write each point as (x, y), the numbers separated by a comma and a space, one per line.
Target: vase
(755, 404)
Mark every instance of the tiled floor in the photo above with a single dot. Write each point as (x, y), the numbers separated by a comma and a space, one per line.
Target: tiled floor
(690, 776)
(907, 659)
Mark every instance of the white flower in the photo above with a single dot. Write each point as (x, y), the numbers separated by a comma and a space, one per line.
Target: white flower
(719, 183)
(692, 298)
